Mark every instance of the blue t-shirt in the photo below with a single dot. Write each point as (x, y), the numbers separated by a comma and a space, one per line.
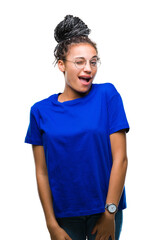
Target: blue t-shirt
(75, 137)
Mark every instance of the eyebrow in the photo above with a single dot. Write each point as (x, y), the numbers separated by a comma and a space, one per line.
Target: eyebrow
(91, 58)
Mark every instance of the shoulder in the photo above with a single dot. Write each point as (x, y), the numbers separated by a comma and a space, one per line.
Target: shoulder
(108, 89)
(41, 104)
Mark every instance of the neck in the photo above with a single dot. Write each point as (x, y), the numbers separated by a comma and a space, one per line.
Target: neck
(71, 94)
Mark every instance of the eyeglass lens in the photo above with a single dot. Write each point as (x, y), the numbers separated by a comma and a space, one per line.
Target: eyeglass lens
(82, 62)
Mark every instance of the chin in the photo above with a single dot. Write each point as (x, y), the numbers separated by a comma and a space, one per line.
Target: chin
(85, 89)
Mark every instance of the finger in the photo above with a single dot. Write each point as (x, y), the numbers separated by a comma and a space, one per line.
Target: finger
(104, 238)
(113, 236)
(96, 238)
(99, 237)
(94, 230)
(68, 238)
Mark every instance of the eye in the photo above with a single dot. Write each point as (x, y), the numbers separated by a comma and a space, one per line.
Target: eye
(93, 63)
(79, 62)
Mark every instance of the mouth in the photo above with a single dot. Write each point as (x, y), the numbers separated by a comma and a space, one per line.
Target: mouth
(85, 79)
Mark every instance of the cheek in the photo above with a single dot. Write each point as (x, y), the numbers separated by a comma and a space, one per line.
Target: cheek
(94, 72)
(72, 75)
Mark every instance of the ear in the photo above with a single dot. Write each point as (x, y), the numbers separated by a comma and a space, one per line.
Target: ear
(61, 65)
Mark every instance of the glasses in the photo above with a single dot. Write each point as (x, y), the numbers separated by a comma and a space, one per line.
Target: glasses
(81, 62)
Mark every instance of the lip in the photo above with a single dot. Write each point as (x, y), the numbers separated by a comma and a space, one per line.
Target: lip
(85, 76)
(84, 82)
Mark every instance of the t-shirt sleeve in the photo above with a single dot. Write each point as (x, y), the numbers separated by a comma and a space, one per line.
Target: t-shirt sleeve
(117, 115)
(33, 135)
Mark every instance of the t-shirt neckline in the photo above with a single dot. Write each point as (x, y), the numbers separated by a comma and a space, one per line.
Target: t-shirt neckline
(73, 101)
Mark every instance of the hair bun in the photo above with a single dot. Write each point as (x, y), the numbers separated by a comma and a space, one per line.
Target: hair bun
(70, 27)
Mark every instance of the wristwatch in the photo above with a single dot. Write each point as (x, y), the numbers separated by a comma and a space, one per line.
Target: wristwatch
(111, 207)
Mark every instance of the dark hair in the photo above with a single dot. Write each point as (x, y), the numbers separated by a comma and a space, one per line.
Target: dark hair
(72, 30)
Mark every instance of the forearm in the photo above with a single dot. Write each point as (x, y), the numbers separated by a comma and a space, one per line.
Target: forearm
(117, 180)
(46, 199)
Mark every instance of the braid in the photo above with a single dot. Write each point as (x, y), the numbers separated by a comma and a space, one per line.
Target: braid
(72, 30)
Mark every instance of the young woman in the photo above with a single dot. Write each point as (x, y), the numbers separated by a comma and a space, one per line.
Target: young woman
(78, 139)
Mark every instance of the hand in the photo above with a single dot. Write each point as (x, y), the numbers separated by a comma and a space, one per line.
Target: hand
(58, 233)
(105, 226)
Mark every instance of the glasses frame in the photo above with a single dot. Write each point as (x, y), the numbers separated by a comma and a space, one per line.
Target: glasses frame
(94, 67)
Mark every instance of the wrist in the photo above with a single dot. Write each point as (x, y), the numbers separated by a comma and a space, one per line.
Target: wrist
(109, 215)
(111, 208)
(52, 225)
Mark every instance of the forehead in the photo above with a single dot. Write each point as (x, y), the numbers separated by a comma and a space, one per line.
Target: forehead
(81, 50)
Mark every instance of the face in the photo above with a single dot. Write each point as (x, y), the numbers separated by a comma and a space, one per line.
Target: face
(79, 79)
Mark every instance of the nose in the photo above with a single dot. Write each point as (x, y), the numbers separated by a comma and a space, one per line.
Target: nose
(87, 67)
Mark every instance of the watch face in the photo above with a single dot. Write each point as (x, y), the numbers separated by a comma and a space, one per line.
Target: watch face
(112, 208)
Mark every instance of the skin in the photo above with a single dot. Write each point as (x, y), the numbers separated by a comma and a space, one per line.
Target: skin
(105, 226)
(73, 86)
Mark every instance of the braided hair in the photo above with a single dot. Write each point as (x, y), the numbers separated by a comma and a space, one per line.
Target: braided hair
(72, 30)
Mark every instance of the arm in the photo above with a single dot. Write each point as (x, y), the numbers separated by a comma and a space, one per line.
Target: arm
(56, 232)
(119, 167)
(116, 184)
(43, 185)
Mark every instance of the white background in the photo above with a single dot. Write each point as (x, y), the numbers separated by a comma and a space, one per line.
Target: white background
(124, 33)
